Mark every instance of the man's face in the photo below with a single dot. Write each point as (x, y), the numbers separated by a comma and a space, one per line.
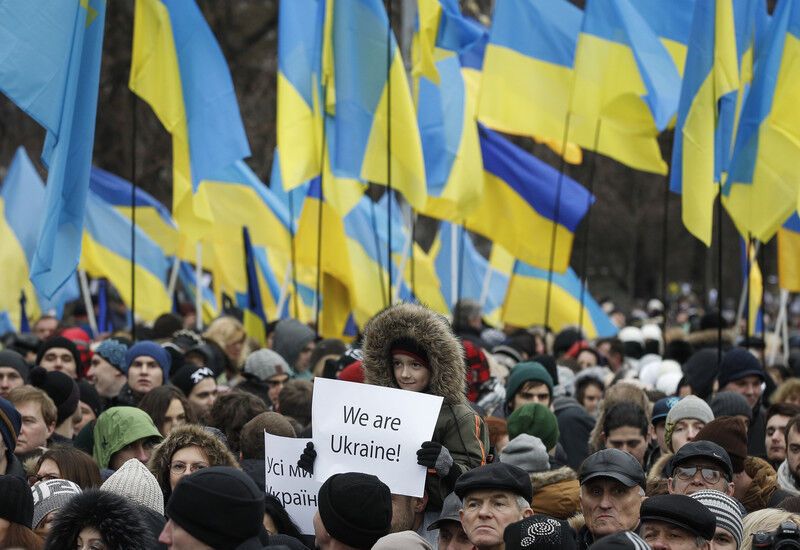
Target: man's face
(141, 449)
(176, 538)
(35, 431)
(204, 394)
(487, 512)
(591, 398)
(629, 439)
(303, 358)
(107, 379)
(531, 392)
(723, 540)
(145, 374)
(275, 386)
(45, 328)
(685, 431)
(453, 537)
(775, 440)
(322, 539)
(793, 452)
(661, 535)
(609, 506)
(661, 432)
(749, 387)
(696, 474)
(404, 509)
(9, 379)
(59, 359)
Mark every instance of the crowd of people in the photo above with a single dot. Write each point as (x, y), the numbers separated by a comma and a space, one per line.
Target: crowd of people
(669, 436)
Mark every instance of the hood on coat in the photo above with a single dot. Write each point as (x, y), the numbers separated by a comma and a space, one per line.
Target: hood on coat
(432, 333)
(118, 520)
(656, 482)
(542, 479)
(187, 436)
(289, 339)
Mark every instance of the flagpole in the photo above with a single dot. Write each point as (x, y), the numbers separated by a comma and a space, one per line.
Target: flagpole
(87, 301)
(453, 266)
(401, 268)
(664, 243)
(486, 286)
(779, 326)
(133, 215)
(719, 276)
(173, 276)
(292, 250)
(322, 165)
(374, 220)
(287, 278)
(462, 247)
(389, 149)
(198, 295)
(588, 233)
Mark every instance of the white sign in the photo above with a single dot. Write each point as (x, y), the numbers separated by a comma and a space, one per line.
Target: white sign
(374, 430)
(292, 485)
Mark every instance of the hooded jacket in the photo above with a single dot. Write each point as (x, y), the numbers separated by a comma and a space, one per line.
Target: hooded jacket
(556, 493)
(289, 339)
(574, 427)
(763, 491)
(118, 427)
(458, 428)
(118, 520)
(187, 436)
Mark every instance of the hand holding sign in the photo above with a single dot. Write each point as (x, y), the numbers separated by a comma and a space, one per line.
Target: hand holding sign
(374, 430)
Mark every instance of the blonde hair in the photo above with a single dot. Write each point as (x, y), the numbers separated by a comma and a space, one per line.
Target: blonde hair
(787, 390)
(25, 394)
(767, 520)
(225, 331)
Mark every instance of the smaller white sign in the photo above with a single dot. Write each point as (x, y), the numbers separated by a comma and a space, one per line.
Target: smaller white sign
(374, 430)
(293, 486)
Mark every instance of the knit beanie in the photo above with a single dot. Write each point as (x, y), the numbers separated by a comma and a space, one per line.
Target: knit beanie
(355, 508)
(149, 349)
(541, 532)
(738, 363)
(14, 360)
(16, 504)
(60, 342)
(220, 506)
(265, 363)
(725, 509)
(61, 388)
(730, 403)
(114, 352)
(730, 433)
(90, 396)
(188, 376)
(51, 495)
(700, 371)
(526, 372)
(688, 407)
(10, 425)
(402, 540)
(354, 372)
(134, 481)
(564, 340)
(526, 452)
(537, 420)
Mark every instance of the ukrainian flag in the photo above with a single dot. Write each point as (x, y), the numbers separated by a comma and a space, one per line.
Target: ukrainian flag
(789, 254)
(21, 195)
(107, 253)
(625, 89)
(672, 23)
(751, 274)
(358, 109)
(188, 278)
(711, 75)
(527, 296)
(521, 191)
(761, 190)
(179, 70)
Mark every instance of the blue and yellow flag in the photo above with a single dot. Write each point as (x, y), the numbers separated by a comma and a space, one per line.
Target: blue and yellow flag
(255, 320)
(527, 296)
(187, 275)
(107, 253)
(751, 275)
(358, 103)
(710, 78)
(521, 191)
(50, 66)
(179, 70)
(21, 194)
(789, 254)
(672, 23)
(761, 190)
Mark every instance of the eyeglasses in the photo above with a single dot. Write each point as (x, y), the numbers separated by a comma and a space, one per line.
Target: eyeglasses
(181, 467)
(33, 479)
(710, 475)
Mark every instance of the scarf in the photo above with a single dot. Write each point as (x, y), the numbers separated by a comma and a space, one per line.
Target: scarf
(786, 480)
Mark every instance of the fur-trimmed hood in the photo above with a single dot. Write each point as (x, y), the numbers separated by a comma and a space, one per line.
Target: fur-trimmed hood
(115, 517)
(186, 436)
(432, 333)
(707, 338)
(549, 477)
(656, 482)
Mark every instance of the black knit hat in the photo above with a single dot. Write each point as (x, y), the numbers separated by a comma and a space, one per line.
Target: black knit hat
(90, 396)
(16, 505)
(355, 508)
(682, 511)
(219, 506)
(61, 388)
(700, 371)
(496, 475)
(541, 532)
(188, 376)
(60, 342)
(737, 364)
(729, 403)
(14, 360)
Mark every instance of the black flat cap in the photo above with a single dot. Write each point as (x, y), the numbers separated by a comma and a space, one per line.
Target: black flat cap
(682, 511)
(495, 476)
(623, 540)
(615, 464)
(702, 449)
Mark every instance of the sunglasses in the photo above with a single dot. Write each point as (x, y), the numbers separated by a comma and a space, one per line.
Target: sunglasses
(710, 475)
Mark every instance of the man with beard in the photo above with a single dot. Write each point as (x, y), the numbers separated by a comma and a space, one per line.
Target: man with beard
(789, 470)
(778, 416)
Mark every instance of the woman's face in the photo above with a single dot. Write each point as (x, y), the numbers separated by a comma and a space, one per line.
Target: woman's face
(50, 469)
(591, 398)
(90, 539)
(44, 525)
(174, 417)
(586, 359)
(185, 461)
(233, 349)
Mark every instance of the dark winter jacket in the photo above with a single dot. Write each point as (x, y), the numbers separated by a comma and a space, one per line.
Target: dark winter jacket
(254, 468)
(757, 432)
(575, 426)
(118, 520)
(14, 467)
(458, 428)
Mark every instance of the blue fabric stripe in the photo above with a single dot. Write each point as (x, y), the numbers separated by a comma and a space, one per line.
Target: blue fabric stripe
(117, 191)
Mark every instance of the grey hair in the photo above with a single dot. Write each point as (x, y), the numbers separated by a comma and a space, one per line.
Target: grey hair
(522, 504)
(699, 542)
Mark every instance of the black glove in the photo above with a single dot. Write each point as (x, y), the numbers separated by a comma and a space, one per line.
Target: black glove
(308, 457)
(434, 456)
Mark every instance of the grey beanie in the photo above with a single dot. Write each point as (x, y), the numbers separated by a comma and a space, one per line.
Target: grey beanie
(289, 339)
(265, 363)
(135, 482)
(527, 452)
(690, 406)
(729, 403)
(51, 495)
